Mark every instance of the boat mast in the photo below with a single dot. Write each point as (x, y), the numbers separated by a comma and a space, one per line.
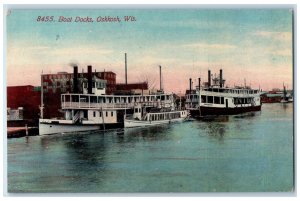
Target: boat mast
(126, 68)
(42, 98)
(160, 87)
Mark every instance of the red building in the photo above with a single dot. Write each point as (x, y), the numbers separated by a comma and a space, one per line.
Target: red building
(132, 86)
(28, 97)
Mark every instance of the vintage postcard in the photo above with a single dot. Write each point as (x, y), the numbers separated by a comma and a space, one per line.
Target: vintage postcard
(150, 100)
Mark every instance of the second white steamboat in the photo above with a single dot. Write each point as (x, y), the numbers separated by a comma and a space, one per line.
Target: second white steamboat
(213, 98)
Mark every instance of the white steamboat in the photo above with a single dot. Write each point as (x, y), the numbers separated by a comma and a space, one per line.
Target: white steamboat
(156, 116)
(215, 99)
(94, 110)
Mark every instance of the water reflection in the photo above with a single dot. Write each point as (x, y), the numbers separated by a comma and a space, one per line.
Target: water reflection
(148, 133)
(221, 118)
(286, 106)
(248, 115)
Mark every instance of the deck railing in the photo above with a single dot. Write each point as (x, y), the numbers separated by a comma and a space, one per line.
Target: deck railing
(85, 105)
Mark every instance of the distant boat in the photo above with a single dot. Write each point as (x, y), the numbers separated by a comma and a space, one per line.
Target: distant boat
(287, 98)
(140, 118)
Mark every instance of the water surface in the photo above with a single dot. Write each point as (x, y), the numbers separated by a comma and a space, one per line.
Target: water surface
(252, 152)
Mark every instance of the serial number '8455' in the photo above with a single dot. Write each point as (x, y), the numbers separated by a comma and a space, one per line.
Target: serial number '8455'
(45, 18)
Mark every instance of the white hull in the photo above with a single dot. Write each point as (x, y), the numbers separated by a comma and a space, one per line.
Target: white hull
(138, 123)
(46, 128)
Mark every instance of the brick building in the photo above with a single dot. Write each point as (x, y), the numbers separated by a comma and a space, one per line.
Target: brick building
(62, 82)
(28, 97)
(132, 88)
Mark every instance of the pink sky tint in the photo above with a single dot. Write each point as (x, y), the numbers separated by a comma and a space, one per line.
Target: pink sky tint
(174, 79)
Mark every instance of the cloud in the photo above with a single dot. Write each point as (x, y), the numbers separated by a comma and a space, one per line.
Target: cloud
(217, 46)
(281, 36)
(284, 52)
(30, 54)
(81, 51)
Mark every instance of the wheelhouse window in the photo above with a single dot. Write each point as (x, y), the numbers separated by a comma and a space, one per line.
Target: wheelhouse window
(216, 100)
(222, 100)
(203, 99)
(210, 99)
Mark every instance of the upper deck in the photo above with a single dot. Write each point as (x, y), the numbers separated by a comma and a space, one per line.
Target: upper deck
(231, 90)
(90, 101)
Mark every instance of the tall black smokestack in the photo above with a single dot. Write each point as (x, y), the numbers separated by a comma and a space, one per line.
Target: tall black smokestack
(75, 80)
(199, 82)
(209, 78)
(190, 85)
(126, 68)
(221, 78)
(90, 81)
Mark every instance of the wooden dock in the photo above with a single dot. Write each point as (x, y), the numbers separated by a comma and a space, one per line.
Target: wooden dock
(13, 132)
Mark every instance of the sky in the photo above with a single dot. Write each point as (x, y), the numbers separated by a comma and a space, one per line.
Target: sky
(248, 44)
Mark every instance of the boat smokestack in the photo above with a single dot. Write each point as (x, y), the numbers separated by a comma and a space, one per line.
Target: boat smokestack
(160, 87)
(75, 80)
(126, 68)
(209, 78)
(90, 81)
(190, 85)
(199, 82)
(221, 78)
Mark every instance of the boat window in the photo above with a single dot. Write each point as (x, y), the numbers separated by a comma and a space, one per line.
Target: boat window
(210, 99)
(203, 99)
(216, 100)
(100, 114)
(136, 110)
(222, 100)
(215, 90)
(93, 99)
(94, 114)
(112, 114)
(106, 113)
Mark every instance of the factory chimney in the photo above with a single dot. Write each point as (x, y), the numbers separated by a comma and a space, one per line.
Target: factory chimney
(90, 81)
(199, 82)
(75, 80)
